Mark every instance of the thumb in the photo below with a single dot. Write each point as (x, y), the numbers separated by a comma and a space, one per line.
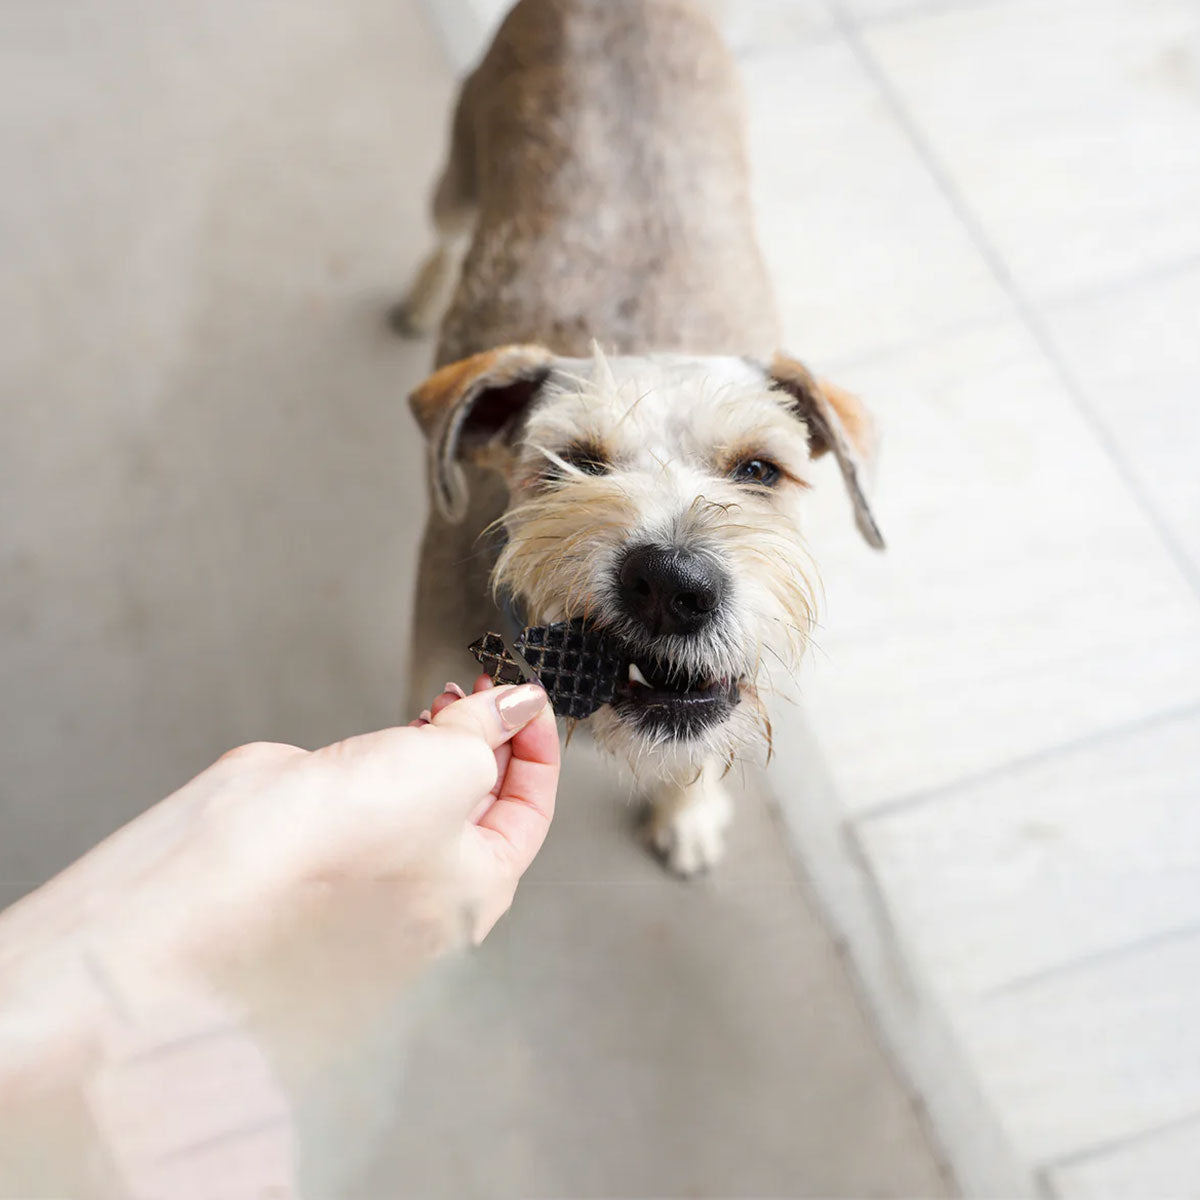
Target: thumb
(496, 715)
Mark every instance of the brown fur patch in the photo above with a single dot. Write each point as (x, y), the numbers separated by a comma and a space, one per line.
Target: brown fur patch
(851, 413)
(450, 385)
(839, 423)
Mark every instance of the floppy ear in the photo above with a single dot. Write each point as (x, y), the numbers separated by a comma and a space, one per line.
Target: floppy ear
(838, 423)
(468, 408)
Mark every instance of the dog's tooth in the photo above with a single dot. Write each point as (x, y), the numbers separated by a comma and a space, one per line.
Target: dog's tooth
(636, 676)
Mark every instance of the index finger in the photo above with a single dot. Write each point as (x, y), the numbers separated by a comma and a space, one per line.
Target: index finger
(520, 819)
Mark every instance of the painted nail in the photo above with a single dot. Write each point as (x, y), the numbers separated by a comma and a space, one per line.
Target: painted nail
(520, 705)
(455, 690)
(426, 717)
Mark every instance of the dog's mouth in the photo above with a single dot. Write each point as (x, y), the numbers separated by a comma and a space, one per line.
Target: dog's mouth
(666, 700)
(585, 667)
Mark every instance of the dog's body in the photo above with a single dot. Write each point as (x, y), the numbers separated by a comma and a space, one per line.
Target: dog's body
(578, 151)
(597, 195)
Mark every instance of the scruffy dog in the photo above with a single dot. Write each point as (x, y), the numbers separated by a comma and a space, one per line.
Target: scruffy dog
(612, 434)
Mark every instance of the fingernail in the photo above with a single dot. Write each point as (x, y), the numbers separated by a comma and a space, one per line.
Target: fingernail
(455, 690)
(426, 717)
(521, 705)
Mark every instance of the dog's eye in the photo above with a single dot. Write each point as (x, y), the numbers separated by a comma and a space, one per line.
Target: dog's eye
(759, 471)
(587, 459)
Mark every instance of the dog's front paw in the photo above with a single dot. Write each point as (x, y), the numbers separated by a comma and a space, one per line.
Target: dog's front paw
(407, 318)
(687, 826)
(690, 843)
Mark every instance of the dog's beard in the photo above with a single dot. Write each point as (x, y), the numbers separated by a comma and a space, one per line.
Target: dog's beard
(556, 568)
(681, 701)
(743, 733)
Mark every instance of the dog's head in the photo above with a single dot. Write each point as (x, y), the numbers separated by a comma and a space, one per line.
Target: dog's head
(661, 498)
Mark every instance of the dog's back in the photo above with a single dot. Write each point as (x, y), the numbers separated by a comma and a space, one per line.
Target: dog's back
(598, 157)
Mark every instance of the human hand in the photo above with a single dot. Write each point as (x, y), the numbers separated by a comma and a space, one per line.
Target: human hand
(371, 855)
(266, 916)
(514, 816)
(452, 693)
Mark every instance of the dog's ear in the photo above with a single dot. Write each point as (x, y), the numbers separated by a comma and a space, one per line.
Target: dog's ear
(469, 408)
(838, 423)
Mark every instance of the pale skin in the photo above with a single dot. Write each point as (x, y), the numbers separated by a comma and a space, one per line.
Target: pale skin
(241, 932)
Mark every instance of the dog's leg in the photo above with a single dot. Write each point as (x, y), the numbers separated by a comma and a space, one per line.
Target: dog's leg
(429, 295)
(454, 213)
(688, 821)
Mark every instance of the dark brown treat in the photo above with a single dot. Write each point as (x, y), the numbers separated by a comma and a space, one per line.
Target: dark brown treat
(493, 656)
(580, 668)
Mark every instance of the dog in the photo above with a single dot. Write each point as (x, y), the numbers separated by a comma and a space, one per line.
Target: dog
(611, 430)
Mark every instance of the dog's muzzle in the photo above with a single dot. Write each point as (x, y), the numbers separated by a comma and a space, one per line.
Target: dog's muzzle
(667, 594)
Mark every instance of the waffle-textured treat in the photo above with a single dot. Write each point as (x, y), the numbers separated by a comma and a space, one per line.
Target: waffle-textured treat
(580, 668)
(492, 655)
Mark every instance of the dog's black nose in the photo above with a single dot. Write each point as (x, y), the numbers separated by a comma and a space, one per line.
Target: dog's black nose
(671, 591)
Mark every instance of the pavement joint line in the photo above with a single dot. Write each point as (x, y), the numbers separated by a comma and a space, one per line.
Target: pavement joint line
(1113, 1145)
(1036, 758)
(1030, 317)
(1150, 941)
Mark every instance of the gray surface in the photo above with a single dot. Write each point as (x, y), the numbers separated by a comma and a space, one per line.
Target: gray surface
(208, 479)
(209, 501)
(628, 1034)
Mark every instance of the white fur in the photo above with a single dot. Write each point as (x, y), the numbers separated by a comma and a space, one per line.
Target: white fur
(670, 427)
(689, 821)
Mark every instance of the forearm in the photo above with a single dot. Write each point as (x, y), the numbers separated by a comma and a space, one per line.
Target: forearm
(99, 969)
(157, 961)
(54, 1013)
(248, 936)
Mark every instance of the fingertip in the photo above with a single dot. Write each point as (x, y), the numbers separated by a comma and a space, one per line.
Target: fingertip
(496, 715)
(547, 718)
(520, 705)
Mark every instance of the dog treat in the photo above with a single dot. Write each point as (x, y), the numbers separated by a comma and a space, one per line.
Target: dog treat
(492, 655)
(580, 668)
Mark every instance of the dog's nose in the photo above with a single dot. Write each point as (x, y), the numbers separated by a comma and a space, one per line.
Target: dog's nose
(671, 591)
